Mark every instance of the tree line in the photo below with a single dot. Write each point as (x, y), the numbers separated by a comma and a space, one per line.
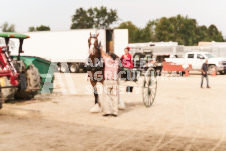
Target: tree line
(6, 27)
(181, 29)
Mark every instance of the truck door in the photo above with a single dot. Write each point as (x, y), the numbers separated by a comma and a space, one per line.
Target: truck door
(200, 61)
(191, 60)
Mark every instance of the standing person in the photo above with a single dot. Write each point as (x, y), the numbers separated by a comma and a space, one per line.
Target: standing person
(110, 102)
(204, 70)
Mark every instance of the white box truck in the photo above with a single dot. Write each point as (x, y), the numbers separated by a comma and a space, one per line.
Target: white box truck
(69, 49)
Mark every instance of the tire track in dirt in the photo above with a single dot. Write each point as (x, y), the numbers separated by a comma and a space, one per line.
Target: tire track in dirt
(223, 134)
(158, 145)
(143, 127)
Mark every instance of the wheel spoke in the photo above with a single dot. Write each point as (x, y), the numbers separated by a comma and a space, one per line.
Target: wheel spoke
(150, 101)
(152, 87)
(145, 93)
(146, 99)
(153, 97)
(153, 93)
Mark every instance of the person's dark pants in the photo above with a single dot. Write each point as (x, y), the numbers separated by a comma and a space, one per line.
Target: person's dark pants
(207, 81)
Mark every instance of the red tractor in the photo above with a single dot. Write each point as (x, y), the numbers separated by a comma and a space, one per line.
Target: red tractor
(16, 80)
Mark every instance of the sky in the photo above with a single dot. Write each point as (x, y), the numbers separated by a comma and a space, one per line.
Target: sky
(58, 13)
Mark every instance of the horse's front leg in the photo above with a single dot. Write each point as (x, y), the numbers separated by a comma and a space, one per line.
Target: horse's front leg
(96, 108)
(96, 95)
(93, 83)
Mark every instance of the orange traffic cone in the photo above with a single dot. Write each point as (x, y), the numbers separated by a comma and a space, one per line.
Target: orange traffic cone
(186, 73)
(214, 73)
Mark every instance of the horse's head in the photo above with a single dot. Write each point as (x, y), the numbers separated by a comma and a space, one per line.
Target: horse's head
(93, 43)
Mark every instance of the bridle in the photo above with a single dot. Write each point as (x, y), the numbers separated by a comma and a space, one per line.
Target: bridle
(92, 41)
(94, 47)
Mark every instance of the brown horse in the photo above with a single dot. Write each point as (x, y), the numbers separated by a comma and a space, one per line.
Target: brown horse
(95, 68)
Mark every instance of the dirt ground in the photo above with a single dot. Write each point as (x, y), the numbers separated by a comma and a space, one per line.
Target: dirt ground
(183, 117)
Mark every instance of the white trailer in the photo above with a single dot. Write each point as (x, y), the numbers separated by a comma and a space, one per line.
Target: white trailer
(144, 56)
(70, 48)
(216, 48)
(147, 44)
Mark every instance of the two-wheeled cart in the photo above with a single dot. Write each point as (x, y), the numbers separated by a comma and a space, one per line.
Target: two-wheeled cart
(148, 84)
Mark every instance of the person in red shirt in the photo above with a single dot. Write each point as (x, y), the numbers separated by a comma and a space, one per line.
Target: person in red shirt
(127, 64)
(127, 59)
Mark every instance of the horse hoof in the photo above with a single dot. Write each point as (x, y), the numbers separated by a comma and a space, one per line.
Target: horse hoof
(95, 109)
(121, 106)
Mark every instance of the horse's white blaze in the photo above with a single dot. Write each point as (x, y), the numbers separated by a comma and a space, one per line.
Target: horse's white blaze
(91, 48)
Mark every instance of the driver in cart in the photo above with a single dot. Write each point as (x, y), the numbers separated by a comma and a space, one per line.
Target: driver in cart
(127, 64)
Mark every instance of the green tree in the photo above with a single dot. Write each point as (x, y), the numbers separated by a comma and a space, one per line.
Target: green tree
(82, 19)
(147, 33)
(179, 28)
(133, 31)
(94, 18)
(43, 28)
(31, 29)
(188, 31)
(214, 34)
(164, 30)
(202, 33)
(8, 28)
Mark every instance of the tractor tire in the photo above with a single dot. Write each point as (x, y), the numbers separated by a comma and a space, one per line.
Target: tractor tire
(2, 83)
(222, 73)
(64, 68)
(74, 68)
(33, 82)
(7, 93)
(1, 100)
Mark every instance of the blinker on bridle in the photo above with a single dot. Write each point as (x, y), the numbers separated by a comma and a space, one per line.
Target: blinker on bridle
(93, 36)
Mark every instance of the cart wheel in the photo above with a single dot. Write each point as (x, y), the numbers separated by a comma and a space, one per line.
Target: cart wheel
(149, 87)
